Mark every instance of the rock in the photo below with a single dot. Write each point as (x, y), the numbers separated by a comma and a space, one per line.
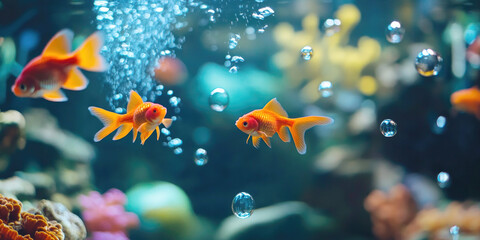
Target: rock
(16, 187)
(73, 227)
(287, 220)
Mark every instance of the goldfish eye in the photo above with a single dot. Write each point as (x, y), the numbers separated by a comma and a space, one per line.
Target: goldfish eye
(23, 87)
(245, 123)
(154, 110)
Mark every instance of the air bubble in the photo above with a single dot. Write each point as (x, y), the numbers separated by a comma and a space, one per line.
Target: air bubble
(218, 99)
(388, 128)
(332, 26)
(394, 32)
(428, 63)
(243, 205)
(443, 179)
(325, 89)
(307, 53)
(201, 157)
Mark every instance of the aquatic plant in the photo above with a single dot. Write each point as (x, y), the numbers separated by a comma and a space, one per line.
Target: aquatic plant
(17, 225)
(333, 59)
(105, 215)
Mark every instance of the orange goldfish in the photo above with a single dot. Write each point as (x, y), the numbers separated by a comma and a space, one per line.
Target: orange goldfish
(57, 68)
(142, 117)
(264, 123)
(467, 100)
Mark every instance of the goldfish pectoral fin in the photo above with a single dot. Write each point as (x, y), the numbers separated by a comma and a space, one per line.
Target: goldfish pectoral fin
(134, 101)
(135, 133)
(167, 122)
(123, 131)
(275, 107)
(60, 44)
(248, 138)
(55, 96)
(158, 132)
(145, 136)
(88, 54)
(75, 80)
(109, 120)
(300, 125)
(283, 134)
(267, 141)
(256, 141)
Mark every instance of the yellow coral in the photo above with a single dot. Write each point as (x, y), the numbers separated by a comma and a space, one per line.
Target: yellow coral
(332, 59)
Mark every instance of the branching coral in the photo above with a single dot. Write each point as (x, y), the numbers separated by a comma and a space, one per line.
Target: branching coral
(17, 225)
(333, 60)
(106, 214)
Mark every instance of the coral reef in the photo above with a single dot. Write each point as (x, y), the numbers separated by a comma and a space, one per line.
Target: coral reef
(17, 225)
(392, 212)
(72, 225)
(333, 59)
(105, 214)
(15, 187)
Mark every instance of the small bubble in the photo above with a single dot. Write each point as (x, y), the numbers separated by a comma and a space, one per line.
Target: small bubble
(227, 64)
(394, 32)
(165, 131)
(259, 1)
(443, 179)
(218, 99)
(177, 150)
(236, 59)
(441, 121)
(243, 205)
(120, 110)
(117, 96)
(266, 11)
(258, 16)
(233, 42)
(201, 157)
(307, 53)
(174, 101)
(325, 89)
(176, 142)
(428, 63)
(233, 69)
(227, 57)
(170, 92)
(388, 128)
(455, 231)
(332, 26)
(211, 11)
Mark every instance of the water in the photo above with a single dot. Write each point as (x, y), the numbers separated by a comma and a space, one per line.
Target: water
(428, 63)
(331, 26)
(388, 128)
(201, 157)
(395, 32)
(243, 205)
(218, 99)
(443, 179)
(325, 89)
(307, 53)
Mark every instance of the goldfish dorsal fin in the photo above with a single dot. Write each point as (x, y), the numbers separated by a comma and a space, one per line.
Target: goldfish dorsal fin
(60, 44)
(134, 102)
(274, 106)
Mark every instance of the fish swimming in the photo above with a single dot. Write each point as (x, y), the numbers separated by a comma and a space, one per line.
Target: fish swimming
(264, 123)
(143, 117)
(467, 100)
(57, 68)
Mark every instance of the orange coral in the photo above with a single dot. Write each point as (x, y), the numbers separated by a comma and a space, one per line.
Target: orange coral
(9, 209)
(17, 225)
(391, 213)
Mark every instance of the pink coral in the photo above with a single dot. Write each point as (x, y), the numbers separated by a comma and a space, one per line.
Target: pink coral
(106, 214)
(108, 236)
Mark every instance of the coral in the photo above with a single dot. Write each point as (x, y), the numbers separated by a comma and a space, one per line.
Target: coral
(17, 225)
(72, 225)
(15, 186)
(333, 60)
(391, 213)
(108, 236)
(106, 213)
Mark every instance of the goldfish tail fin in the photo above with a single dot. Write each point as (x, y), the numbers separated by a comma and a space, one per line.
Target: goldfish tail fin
(88, 54)
(109, 120)
(300, 125)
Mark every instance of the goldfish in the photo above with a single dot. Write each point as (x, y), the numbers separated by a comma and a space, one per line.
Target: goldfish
(467, 100)
(264, 123)
(143, 117)
(57, 68)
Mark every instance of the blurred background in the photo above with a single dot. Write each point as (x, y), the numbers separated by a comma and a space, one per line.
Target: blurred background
(401, 160)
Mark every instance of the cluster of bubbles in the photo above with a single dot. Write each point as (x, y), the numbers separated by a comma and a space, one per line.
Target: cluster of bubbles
(388, 128)
(137, 34)
(218, 99)
(443, 179)
(243, 205)
(262, 13)
(325, 89)
(455, 232)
